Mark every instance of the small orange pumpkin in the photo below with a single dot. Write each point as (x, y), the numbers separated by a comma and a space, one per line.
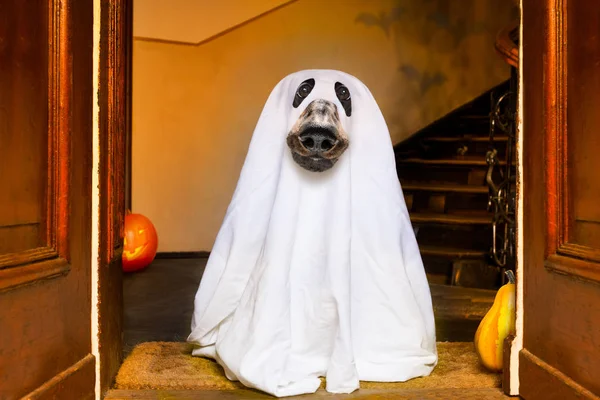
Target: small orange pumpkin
(140, 242)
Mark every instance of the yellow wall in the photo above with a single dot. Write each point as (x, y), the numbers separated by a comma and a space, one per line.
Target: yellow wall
(195, 107)
(193, 21)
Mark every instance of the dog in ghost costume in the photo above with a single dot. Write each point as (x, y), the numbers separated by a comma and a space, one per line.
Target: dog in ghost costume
(316, 271)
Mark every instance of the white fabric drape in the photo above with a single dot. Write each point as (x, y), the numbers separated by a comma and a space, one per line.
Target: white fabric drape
(316, 274)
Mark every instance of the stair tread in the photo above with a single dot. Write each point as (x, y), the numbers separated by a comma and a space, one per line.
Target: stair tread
(472, 218)
(449, 291)
(465, 138)
(460, 303)
(444, 187)
(464, 160)
(452, 252)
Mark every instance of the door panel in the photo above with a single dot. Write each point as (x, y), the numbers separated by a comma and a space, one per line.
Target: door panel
(24, 75)
(561, 187)
(45, 199)
(33, 221)
(583, 118)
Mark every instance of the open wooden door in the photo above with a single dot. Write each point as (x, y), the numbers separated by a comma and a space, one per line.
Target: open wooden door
(561, 192)
(45, 199)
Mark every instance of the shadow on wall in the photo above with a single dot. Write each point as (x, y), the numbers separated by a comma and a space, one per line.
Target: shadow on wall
(195, 107)
(443, 48)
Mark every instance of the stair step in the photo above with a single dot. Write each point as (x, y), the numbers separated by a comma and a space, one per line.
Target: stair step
(444, 174)
(463, 161)
(460, 236)
(465, 138)
(462, 293)
(437, 279)
(460, 303)
(459, 147)
(452, 219)
(432, 187)
(451, 252)
(458, 311)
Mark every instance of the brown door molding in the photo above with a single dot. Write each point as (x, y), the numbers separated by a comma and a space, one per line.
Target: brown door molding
(115, 124)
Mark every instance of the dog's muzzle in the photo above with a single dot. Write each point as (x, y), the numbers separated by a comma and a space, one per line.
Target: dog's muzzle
(318, 139)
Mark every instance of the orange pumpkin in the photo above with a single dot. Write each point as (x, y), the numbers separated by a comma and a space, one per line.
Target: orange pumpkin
(140, 243)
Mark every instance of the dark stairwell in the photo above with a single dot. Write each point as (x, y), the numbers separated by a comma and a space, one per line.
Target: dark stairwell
(454, 197)
(442, 170)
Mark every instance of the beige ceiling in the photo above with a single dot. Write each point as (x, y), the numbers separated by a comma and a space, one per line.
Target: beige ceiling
(193, 21)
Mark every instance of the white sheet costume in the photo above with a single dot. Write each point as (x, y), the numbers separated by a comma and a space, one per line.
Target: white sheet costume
(316, 274)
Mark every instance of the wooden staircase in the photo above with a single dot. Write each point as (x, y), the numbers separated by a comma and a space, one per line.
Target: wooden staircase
(442, 170)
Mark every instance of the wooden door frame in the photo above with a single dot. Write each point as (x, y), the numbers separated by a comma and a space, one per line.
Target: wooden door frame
(514, 344)
(115, 171)
(114, 132)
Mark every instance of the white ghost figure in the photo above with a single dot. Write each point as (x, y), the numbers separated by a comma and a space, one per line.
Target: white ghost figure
(316, 274)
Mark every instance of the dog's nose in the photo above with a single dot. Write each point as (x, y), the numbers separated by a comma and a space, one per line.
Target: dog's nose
(317, 141)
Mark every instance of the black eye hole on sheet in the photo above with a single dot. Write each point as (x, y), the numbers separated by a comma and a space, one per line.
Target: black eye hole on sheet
(303, 91)
(343, 95)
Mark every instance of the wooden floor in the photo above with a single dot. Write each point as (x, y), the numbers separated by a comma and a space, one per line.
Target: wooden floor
(159, 301)
(159, 304)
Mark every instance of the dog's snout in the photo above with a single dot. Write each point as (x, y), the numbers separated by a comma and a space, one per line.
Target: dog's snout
(317, 141)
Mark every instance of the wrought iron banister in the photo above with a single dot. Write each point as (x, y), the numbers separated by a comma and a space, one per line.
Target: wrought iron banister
(502, 191)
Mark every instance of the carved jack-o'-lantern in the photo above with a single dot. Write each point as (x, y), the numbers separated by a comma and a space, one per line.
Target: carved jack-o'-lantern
(140, 243)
